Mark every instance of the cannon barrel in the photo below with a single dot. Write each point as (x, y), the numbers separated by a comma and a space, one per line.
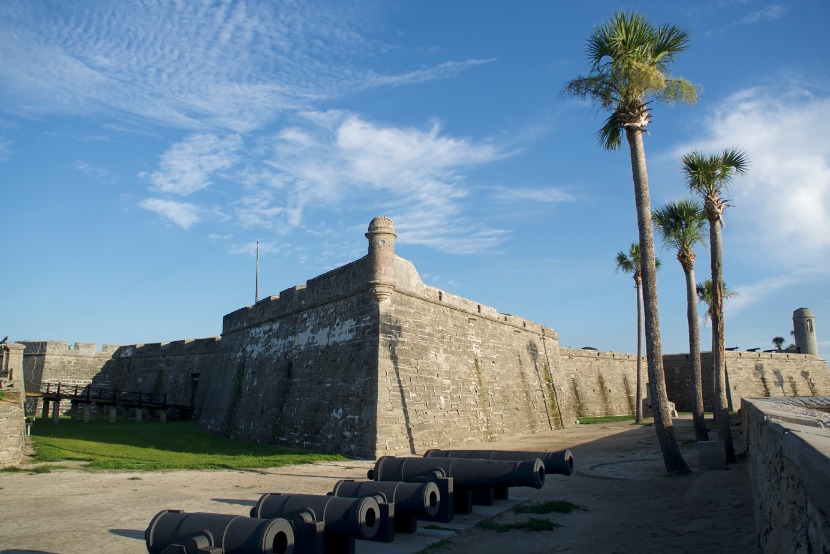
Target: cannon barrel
(560, 462)
(355, 517)
(465, 473)
(232, 533)
(413, 498)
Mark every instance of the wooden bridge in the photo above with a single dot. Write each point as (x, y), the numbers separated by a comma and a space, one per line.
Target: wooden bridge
(83, 397)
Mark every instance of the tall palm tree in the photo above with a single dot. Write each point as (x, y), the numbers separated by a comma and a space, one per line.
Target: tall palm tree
(629, 60)
(681, 225)
(778, 342)
(709, 176)
(630, 263)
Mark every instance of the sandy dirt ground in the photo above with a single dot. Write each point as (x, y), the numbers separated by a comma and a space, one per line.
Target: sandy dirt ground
(626, 502)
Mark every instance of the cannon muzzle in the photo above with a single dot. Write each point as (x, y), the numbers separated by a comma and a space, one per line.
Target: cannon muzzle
(191, 532)
(354, 517)
(414, 498)
(560, 462)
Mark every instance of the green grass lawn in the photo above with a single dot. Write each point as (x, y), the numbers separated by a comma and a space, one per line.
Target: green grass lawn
(153, 446)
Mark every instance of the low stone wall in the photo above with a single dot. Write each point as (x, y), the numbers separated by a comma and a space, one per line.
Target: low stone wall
(12, 430)
(788, 444)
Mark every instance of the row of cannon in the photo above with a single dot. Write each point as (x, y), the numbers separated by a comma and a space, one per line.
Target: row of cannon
(401, 491)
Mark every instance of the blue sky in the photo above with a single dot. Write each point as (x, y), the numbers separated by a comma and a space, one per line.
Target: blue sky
(146, 146)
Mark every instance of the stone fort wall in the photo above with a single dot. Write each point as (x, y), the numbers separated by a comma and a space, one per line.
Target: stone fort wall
(750, 375)
(300, 368)
(367, 360)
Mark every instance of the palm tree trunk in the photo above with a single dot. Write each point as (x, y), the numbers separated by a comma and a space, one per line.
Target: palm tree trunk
(694, 353)
(718, 350)
(639, 410)
(663, 426)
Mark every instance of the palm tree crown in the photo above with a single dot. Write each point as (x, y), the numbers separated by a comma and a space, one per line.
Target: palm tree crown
(710, 175)
(630, 263)
(629, 59)
(704, 294)
(682, 225)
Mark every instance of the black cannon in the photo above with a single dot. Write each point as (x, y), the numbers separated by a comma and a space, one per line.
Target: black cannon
(410, 500)
(326, 524)
(177, 532)
(467, 475)
(560, 462)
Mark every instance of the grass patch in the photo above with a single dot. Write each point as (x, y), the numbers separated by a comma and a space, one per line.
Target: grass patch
(605, 419)
(33, 470)
(437, 546)
(155, 446)
(558, 506)
(532, 524)
(437, 527)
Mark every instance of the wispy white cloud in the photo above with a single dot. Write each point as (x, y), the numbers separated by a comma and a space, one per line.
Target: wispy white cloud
(544, 195)
(440, 71)
(98, 173)
(250, 248)
(412, 174)
(784, 200)
(748, 295)
(181, 213)
(5, 149)
(767, 13)
(415, 175)
(188, 165)
(233, 66)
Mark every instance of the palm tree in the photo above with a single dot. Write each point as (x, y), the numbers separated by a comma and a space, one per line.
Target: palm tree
(630, 263)
(709, 176)
(681, 225)
(704, 294)
(778, 342)
(629, 60)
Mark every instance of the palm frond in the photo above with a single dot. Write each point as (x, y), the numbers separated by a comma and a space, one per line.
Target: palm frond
(610, 134)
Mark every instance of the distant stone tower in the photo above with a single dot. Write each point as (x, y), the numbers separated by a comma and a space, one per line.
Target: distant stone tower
(804, 326)
(382, 237)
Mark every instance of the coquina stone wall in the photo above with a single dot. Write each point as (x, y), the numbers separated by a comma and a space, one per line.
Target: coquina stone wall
(12, 396)
(300, 368)
(598, 383)
(58, 361)
(173, 368)
(452, 371)
(750, 375)
(12, 430)
(788, 446)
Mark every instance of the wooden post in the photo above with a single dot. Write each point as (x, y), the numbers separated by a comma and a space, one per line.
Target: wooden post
(56, 409)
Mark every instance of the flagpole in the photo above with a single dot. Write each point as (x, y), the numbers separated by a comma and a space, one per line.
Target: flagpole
(256, 287)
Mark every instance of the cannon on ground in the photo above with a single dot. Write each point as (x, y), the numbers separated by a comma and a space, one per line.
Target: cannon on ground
(177, 532)
(560, 462)
(467, 476)
(411, 501)
(328, 524)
